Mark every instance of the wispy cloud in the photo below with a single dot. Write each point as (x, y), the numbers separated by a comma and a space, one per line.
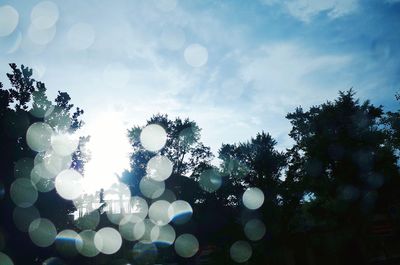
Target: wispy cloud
(281, 76)
(305, 10)
(284, 74)
(261, 64)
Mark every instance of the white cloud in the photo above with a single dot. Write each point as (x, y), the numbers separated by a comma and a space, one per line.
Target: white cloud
(288, 72)
(241, 90)
(282, 76)
(305, 10)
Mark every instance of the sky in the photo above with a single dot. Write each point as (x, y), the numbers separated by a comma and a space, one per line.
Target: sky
(235, 67)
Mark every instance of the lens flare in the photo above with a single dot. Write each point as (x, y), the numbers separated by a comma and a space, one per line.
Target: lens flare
(241, 251)
(86, 245)
(180, 212)
(9, 19)
(163, 236)
(108, 240)
(42, 232)
(254, 229)
(253, 198)
(186, 245)
(109, 148)
(153, 137)
(158, 212)
(66, 243)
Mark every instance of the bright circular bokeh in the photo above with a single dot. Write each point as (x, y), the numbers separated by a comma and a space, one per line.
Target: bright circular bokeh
(42, 232)
(23, 193)
(153, 137)
(150, 188)
(69, 184)
(240, 251)
(38, 136)
(108, 240)
(254, 229)
(253, 198)
(180, 212)
(9, 19)
(86, 246)
(196, 55)
(158, 212)
(44, 15)
(159, 168)
(186, 245)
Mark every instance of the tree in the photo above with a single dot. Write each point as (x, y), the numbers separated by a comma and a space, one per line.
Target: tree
(391, 123)
(189, 156)
(22, 86)
(23, 104)
(255, 163)
(184, 149)
(347, 173)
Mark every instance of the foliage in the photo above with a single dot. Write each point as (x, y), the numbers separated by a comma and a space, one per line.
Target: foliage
(21, 105)
(323, 195)
(341, 160)
(183, 147)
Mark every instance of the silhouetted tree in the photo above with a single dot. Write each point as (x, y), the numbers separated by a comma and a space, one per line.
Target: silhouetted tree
(189, 157)
(183, 147)
(255, 163)
(346, 172)
(22, 86)
(23, 104)
(322, 197)
(391, 122)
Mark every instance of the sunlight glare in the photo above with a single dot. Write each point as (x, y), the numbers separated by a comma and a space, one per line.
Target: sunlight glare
(109, 149)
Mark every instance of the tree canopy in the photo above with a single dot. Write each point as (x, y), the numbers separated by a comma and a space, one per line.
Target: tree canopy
(330, 198)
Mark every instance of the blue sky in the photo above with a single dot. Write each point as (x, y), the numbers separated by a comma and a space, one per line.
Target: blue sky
(235, 67)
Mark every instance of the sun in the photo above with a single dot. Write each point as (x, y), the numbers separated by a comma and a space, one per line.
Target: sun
(109, 151)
